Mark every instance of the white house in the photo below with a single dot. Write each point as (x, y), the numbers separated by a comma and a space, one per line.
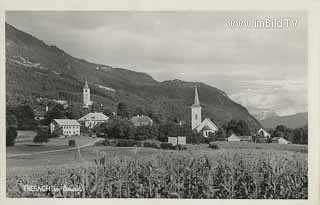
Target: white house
(141, 120)
(65, 127)
(93, 119)
(280, 140)
(206, 126)
(264, 133)
(235, 138)
(173, 140)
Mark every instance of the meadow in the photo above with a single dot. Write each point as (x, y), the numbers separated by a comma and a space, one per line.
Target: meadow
(199, 172)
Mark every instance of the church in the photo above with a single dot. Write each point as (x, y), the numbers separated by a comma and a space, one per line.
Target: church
(86, 95)
(206, 126)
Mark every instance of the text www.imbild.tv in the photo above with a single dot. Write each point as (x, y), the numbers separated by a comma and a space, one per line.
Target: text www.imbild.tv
(263, 23)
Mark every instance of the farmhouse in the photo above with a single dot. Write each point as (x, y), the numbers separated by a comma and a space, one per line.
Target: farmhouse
(93, 119)
(141, 120)
(206, 126)
(65, 127)
(280, 140)
(235, 138)
(264, 133)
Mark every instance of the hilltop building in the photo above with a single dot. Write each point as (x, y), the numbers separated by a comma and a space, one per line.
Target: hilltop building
(65, 127)
(206, 126)
(93, 119)
(141, 120)
(86, 95)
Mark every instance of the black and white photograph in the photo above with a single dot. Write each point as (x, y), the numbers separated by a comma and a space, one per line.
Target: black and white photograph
(156, 104)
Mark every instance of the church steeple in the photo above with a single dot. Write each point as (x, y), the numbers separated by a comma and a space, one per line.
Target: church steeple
(86, 94)
(196, 118)
(86, 86)
(196, 97)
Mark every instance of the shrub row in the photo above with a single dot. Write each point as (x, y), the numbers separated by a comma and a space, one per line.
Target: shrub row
(148, 143)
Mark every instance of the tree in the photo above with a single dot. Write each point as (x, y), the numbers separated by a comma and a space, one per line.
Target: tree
(118, 128)
(42, 135)
(139, 111)
(74, 111)
(11, 128)
(237, 127)
(11, 136)
(122, 110)
(242, 128)
(25, 117)
(57, 112)
(107, 112)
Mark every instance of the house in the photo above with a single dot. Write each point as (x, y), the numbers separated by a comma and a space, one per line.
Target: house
(280, 140)
(141, 120)
(236, 138)
(206, 126)
(65, 127)
(93, 119)
(173, 140)
(264, 133)
(182, 140)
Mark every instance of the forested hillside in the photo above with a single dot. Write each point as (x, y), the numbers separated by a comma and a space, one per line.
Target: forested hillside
(34, 69)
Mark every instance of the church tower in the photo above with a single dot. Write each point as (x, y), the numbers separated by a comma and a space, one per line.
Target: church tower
(196, 111)
(86, 95)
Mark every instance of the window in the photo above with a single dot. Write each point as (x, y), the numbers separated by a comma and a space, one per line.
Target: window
(196, 116)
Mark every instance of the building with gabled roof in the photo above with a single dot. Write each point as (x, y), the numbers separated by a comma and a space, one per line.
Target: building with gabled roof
(141, 120)
(236, 138)
(65, 127)
(206, 126)
(93, 119)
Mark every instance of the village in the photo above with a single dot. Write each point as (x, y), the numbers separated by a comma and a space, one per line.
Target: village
(94, 124)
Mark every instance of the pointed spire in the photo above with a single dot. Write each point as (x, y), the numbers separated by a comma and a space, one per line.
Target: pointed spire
(86, 86)
(196, 97)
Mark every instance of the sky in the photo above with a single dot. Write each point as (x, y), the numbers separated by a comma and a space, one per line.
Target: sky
(264, 69)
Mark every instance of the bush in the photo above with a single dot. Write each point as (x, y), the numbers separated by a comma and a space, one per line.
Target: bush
(53, 135)
(152, 144)
(11, 136)
(42, 135)
(72, 143)
(213, 145)
(166, 145)
(180, 147)
(125, 143)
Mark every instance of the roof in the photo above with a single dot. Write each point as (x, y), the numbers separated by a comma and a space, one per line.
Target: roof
(264, 131)
(141, 120)
(94, 116)
(86, 86)
(67, 122)
(207, 124)
(241, 137)
(39, 113)
(196, 97)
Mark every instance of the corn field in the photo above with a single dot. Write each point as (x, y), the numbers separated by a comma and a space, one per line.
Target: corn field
(221, 174)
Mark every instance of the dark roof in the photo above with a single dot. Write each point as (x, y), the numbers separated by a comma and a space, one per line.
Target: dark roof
(39, 113)
(141, 120)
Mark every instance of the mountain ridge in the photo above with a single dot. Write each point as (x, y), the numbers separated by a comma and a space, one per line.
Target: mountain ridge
(291, 121)
(34, 68)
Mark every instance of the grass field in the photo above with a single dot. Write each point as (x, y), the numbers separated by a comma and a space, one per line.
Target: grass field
(235, 170)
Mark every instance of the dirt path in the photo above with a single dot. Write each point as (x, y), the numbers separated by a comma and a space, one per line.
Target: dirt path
(54, 151)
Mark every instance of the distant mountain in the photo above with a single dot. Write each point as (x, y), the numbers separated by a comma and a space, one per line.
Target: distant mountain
(34, 68)
(261, 114)
(291, 121)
